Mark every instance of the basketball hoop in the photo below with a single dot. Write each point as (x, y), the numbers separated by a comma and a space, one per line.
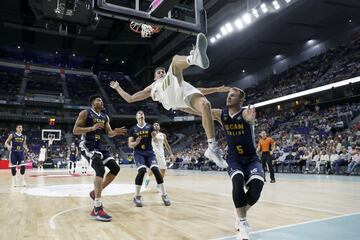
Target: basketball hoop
(146, 30)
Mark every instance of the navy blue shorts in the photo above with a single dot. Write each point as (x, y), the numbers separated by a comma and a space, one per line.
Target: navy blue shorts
(249, 167)
(73, 158)
(88, 150)
(17, 159)
(145, 158)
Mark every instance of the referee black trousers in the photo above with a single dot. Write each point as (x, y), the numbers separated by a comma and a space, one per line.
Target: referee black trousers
(266, 158)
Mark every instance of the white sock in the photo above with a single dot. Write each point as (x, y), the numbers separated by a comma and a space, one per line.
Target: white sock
(162, 189)
(97, 202)
(189, 60)
(137, 190)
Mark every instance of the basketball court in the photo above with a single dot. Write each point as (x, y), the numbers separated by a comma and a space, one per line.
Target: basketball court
(57, 206)
(136, 36)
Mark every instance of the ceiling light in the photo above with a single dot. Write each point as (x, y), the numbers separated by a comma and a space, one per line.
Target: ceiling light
(264, 8)
(239, 24)
(223, 31)
(218, 36)
(276, 5)
(255, 13)
(229, 27)
(213, 39)
(246, 17)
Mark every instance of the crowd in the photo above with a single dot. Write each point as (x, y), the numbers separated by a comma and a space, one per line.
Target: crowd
(340, 63)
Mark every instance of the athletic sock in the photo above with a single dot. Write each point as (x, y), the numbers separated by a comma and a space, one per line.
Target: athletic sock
(162, 189)
(137, 190)
(97, 202)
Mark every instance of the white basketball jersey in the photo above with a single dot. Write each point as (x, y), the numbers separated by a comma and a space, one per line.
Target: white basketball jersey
(158, 92)
(42, 154)
(159, 145)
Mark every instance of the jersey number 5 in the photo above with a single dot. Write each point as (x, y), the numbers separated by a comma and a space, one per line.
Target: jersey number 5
(240, 149)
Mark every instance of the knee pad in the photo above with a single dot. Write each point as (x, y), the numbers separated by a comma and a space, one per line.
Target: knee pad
(157, 174)
(113, 167)
(255, 188)
(13, 171)
(99, 167)
(22, 170)
(238, 193)
(140, 176)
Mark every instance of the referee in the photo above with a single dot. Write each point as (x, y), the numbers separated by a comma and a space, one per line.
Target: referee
(266, 145)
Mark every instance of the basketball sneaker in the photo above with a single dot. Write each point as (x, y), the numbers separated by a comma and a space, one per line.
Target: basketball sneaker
(92, 194)
(137, 201)
(243, 228)
(198, 54)
(100, 214)
(166, 200)
(213, 153)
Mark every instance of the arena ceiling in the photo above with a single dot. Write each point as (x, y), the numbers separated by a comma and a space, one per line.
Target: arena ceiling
(252, 49)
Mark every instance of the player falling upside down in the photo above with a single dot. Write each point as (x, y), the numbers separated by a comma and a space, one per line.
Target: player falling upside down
(16, 144)
(92, 124)
(244, 168)
(172, 91)
(72, 155)
(140, 138)
(158, 143)
(42, 158)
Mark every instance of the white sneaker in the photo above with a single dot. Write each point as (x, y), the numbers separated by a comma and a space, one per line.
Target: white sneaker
(199, 56)
(244, 230)
(213, 153)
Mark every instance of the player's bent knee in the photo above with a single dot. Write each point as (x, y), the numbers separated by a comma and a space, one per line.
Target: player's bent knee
(238, 193)
(115, 169)
(157, 175)
(22, 170)
(140, 176)
(13, 171)
(254, 192)
(99, 168)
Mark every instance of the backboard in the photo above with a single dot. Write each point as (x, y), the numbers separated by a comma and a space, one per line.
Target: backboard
(50, 135)
(188, 17)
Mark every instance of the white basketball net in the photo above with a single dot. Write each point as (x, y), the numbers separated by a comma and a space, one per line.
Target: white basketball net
(51, 139)
(146, 31)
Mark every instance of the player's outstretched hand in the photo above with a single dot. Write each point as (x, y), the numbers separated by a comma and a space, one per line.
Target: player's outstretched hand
(120, 131)
(224, 89)
(98, 126)
(250, 114)
(114, 84)
(172, 158)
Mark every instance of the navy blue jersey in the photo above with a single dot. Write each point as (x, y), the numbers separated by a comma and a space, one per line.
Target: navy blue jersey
(145, 133)
(95, 137)
(239, 134)
(72, 151)
(17, 142)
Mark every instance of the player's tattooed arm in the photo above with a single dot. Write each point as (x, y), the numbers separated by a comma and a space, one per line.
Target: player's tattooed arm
(114, 132)
(221, 89)
(79, 127)
(136, 97)
(8, 141)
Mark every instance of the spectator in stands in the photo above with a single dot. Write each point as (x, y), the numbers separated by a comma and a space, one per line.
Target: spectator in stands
(333, 157)
(355, 161)
(344, 159)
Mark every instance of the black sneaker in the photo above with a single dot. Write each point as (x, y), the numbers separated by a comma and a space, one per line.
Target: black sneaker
(273, 181)
(166, 200)
(137, 201)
